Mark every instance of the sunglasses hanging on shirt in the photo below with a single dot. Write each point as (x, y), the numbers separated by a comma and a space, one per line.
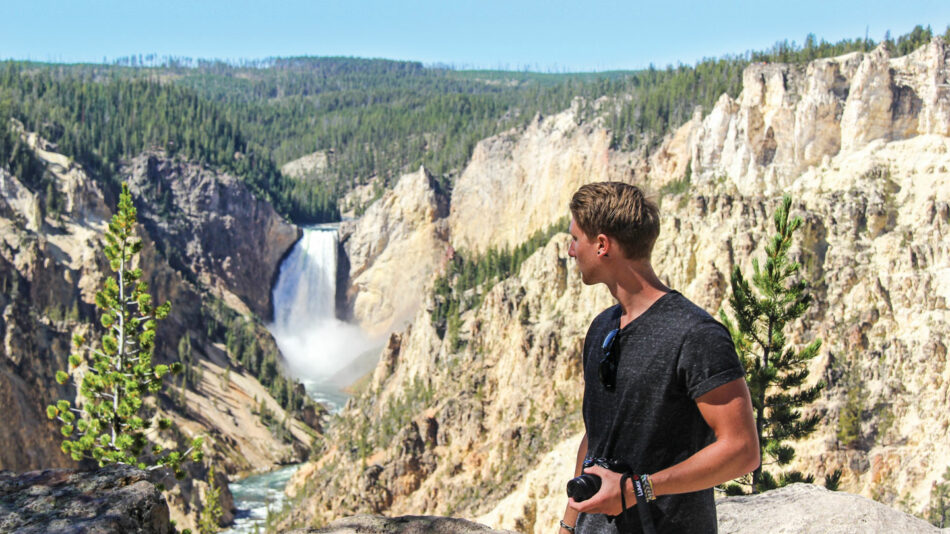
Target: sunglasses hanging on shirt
(608, 365)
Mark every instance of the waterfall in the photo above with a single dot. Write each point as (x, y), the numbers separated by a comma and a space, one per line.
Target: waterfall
(316, 345)
(306, 289)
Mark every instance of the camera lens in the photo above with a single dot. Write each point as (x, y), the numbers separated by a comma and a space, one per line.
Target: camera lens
(583, 487)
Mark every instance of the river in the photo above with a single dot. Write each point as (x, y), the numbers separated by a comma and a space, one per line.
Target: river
(256, 496)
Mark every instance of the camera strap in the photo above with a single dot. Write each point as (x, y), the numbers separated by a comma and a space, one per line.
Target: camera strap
(643, 506)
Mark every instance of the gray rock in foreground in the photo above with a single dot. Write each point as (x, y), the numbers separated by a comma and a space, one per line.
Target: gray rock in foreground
(794, 509)
(807, 509)
(410, 524)
(118, 498)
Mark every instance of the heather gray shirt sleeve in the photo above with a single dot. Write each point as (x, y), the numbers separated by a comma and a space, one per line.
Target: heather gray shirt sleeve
(707, 359)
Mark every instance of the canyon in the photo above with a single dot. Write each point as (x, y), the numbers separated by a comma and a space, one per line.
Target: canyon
(485, 426)
(482, 422)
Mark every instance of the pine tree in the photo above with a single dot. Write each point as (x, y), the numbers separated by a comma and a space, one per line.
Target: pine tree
(212, 512)
(119, 374)
(775, 371)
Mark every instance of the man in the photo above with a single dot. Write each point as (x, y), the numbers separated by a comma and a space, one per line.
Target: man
(664, 390)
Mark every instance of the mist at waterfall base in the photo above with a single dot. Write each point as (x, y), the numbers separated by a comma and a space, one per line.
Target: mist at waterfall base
(318, 348)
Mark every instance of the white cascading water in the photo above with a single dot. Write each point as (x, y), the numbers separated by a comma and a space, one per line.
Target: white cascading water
(316, 347)
(315, 344)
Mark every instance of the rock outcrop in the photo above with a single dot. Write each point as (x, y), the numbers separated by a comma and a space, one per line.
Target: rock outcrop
(453, 426)
(518, 182)
(118, 498)
(393, 250)
(207, 224)
(454, 429)
(788, 118)
(312, 164)
(47, 276)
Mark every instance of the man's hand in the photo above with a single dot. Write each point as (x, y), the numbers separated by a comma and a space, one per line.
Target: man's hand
(607, 500)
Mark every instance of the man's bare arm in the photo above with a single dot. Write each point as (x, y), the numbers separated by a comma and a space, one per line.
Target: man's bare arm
(728, 411)
(570, 514)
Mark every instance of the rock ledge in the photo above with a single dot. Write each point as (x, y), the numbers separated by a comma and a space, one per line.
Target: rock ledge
(807, 509)
(117, 498)
(410, 524)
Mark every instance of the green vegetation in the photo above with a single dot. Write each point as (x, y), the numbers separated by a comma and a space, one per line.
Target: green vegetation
(120, 373)
(371, 117)
(681, 185)
(399, 413)
(16, 156)
(919, 36)
(366, 434)
(849, 432)
(833, 481)
(938, 512)
(849, 421)
(98, 123)
(465, 280)
(250, 344)
(775, 371)
(212, 511)
(189, 375)
(279, 429)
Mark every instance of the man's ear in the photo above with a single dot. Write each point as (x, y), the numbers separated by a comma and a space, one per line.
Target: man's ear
(603, 245)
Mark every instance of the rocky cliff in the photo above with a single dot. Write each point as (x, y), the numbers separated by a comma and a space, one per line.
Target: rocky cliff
(520, 181)
(208, 243)
(210, 226)
(392, 250)
(861, 142)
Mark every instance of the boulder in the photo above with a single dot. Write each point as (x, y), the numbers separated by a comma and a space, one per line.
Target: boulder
(806, 508)
(118, 498)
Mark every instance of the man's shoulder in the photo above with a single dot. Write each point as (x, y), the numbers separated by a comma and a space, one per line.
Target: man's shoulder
(688, 312)
(680, 318)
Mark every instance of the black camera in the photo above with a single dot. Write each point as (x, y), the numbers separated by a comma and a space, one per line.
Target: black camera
(587, 485)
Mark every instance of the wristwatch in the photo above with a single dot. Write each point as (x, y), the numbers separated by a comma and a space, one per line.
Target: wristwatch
(567, 527)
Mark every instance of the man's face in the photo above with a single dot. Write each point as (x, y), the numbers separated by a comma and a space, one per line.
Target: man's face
(584, 252)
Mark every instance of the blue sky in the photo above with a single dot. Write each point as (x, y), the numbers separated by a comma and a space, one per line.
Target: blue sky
(542, 35)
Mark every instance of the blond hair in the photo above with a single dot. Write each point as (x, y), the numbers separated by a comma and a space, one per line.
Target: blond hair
(620, 211)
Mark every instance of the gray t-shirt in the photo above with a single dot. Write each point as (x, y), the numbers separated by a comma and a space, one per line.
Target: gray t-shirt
(668, 356)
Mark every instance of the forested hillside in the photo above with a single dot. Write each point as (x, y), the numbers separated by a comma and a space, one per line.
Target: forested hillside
(371, 117)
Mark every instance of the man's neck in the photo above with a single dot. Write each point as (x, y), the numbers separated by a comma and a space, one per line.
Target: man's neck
(636, 287)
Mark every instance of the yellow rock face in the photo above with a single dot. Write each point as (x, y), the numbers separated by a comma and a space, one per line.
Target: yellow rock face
(860, 141)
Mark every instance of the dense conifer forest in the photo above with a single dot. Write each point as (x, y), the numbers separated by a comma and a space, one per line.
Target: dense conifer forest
(371, 117)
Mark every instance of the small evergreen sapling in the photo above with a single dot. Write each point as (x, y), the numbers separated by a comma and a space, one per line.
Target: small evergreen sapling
(212, 512)
(106, 426)
(775, 371)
